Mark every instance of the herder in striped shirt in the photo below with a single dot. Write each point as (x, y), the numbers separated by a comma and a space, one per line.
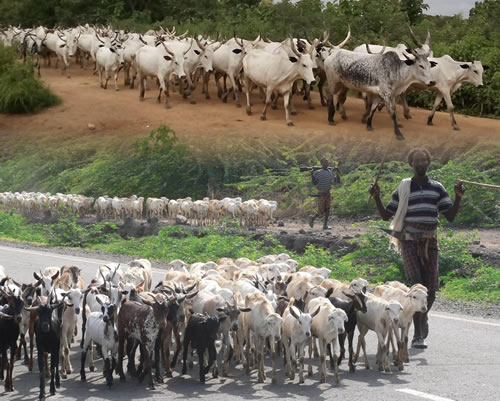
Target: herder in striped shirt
(323, 178)
(415, 206)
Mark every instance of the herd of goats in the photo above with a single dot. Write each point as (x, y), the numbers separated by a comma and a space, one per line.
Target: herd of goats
(380, 73)
(254, 308)
(199, 212)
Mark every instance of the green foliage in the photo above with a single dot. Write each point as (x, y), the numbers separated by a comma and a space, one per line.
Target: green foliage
(13, 226)
(20, 91)
(66, 232)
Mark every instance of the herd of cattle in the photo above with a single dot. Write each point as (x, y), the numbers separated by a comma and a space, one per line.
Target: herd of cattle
(253, 307)
(381, 73)
(199, 212)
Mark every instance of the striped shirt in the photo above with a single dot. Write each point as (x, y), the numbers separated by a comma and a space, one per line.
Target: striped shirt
(324, 179)
(424, 203)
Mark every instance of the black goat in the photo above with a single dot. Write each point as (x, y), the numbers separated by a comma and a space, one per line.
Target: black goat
(356, 303)
(10, 317)
(47, 330)
(201, 333)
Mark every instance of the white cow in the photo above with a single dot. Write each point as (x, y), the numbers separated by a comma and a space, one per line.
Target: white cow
(276, 73)
(159, 62)
(109, 59)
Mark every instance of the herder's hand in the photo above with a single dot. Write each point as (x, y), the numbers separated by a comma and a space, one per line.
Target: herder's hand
(374, 190)
(459, 190)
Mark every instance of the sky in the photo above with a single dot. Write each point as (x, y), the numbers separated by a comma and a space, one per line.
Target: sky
(449, 7)
(444, 7)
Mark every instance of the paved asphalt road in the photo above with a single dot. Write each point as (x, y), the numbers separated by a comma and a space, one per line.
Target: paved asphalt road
(461, 363)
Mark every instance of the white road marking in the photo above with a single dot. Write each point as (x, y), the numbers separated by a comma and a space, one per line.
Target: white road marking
(464, 320)
(424, 395)
(69, 257)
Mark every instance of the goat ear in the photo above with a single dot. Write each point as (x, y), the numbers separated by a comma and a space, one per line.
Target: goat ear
(316, 311)
(363, 290)
(37, 276)
(146, 302)
(329, 292)
(293, 313)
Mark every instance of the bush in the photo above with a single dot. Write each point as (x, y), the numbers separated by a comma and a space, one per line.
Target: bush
(20, 91)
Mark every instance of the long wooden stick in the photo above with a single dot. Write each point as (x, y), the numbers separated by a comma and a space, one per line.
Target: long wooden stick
(479, 184)
(379, 171)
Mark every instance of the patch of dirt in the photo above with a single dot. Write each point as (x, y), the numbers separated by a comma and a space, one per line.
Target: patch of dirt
(120, 116)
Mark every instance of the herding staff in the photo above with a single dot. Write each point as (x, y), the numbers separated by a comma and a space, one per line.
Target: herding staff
(479, 184)
(379, 170)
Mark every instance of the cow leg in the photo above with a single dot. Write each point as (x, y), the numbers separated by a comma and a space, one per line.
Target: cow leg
(386, 96)
(116, 79)
(451, 109)
(331, 107)
(141, 86)
(286, 104)
(269, 93)
(248, 88)
(99, 70)
(206, 80)
(437, 101)
(162, 86)
(341, 98)
(321, 83)
(406, 108)
(236, 92)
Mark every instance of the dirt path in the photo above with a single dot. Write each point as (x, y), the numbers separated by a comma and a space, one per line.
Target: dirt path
(119, 116)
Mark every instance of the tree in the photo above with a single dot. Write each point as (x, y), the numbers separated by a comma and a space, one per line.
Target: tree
(414, 9)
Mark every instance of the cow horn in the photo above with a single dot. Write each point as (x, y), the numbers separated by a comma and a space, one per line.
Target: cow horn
(368, 48)
(189, 48)
(60, 37)
(199, 44)
(414, 38)
(100, 40)
(183, 35)
(294, 49)
(326, 35)
(428, 41)
(410, 50)
(236, 40)
(341, 44)
(141, 39)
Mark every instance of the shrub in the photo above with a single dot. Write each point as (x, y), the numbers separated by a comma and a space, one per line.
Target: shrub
(20, 91)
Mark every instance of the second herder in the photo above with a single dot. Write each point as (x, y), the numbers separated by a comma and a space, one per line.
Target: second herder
(323, 179)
